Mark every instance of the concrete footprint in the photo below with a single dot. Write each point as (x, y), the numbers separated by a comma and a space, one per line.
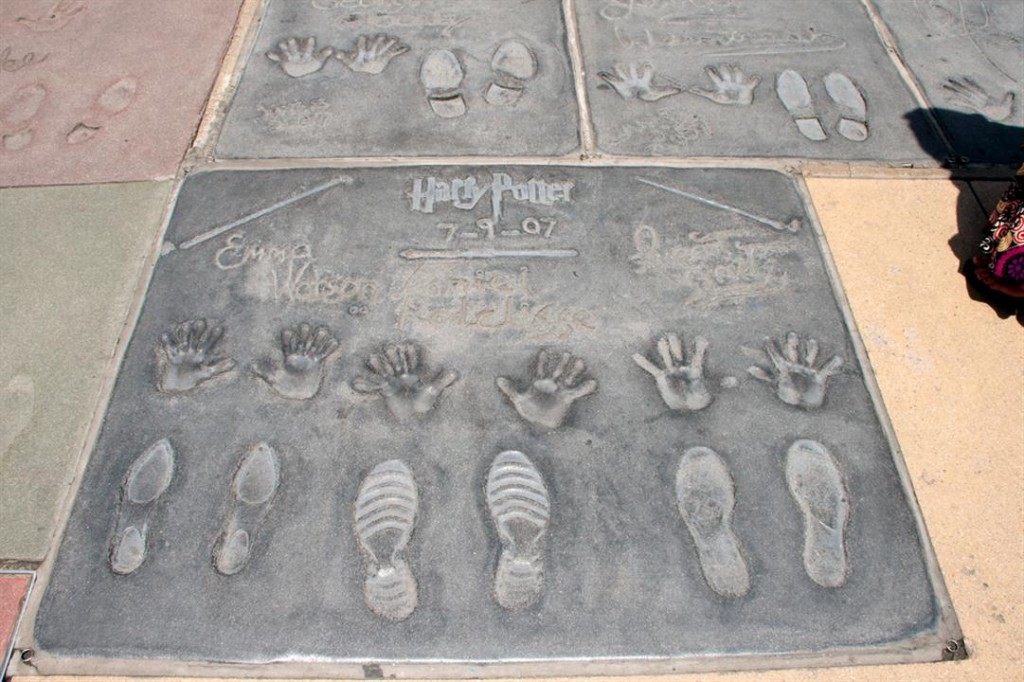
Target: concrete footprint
(385, 515)
(853, 118)
(521, 509)
(794, 95)
(441, 75)
(146, 480)
(704, 492)
(513, 64)
(817, 487)
(111, 102)
(253, 489)
(16, 116)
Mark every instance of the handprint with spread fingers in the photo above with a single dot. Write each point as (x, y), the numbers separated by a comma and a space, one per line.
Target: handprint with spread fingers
(298, 57)
(186, 356)
(372, 55)
(556, 385)
(305, 350)
(634, 82)
(680, 385)
(797, 381)
(967, 93)
(399, 377)
(732, 86)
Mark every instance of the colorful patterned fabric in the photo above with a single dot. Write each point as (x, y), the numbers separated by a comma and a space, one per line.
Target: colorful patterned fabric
(1003, 245)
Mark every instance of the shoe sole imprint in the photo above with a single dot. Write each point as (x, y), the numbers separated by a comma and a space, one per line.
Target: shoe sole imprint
(513, 64)
(18, 112)
(853, 123)
(385, 515)
(112, 101)
(519, 504)
(704, 493)
(794, 95)
(816, 485)
(441, 76)
(147, 479)
(253, 489)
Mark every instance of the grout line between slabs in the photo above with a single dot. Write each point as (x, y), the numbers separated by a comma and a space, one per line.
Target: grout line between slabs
(891, 46)
(588, 139)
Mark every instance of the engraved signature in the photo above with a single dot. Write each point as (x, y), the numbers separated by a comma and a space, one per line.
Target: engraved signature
(487, 300)
(733, 43)
(662, 132)
(288, 274)
(719, 268)
(296, 116)
(616, 10)
(11, 63)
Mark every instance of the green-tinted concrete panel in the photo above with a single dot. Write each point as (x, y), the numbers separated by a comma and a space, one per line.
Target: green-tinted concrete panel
(70, 263)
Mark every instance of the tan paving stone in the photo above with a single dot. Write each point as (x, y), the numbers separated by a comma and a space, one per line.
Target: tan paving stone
(69, 266)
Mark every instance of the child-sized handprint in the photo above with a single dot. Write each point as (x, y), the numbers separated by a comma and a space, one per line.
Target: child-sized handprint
(298, 58)
(681, 385)
(399, 377)
(967, 93)
(185, 356)
(634, 82)
(555, 387)
(372, 55)
(797, 381)
(305, 349)
(732, 86)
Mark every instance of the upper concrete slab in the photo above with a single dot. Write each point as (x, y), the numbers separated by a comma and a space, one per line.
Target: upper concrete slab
(70, 262)
(333, 78)
(968, 55)
(803, 79)
(99, 91)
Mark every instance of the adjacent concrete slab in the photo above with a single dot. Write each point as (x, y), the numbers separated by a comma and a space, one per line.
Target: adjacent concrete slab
(101, 91)
(70, 263)
(435, 77)
(969, 57)
(296, 378)
(730, 78)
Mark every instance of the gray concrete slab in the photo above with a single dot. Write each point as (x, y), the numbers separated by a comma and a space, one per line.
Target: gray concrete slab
(729, 78)
(69, 267)
(492, 414)
(968, 55)
(334, 78)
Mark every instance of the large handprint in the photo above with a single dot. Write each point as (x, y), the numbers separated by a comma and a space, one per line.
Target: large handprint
(681, 385)
(797, 382)
(732, 86)
(634, 82)
(372, 55)
(185, 356)
(967, 93)
(551, 394)
(305, 350)
(398, 376)
(297, 59)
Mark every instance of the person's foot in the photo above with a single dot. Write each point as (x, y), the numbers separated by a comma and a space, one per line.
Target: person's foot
(986, 278)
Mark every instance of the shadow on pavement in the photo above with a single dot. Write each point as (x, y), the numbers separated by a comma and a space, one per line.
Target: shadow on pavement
(986, 140)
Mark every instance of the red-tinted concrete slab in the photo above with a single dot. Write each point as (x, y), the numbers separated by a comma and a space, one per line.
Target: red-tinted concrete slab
(14, 589)
(104, 90)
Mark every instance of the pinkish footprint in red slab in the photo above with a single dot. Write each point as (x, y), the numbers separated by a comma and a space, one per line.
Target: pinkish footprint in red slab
(111, 102)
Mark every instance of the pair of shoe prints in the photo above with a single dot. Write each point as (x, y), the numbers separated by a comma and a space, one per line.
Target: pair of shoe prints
(384, 518)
